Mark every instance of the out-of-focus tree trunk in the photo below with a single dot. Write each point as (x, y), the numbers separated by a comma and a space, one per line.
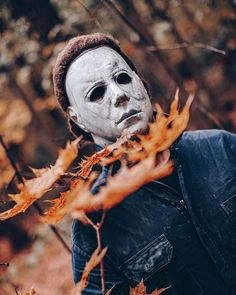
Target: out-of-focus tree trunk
(18, 236)
(41, 15)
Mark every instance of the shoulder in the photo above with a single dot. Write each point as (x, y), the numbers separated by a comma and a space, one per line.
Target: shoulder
(208, 134)
(208, 139)
(208, 154)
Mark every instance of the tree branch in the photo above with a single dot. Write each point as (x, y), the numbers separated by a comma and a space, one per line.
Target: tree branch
(187, 45)
(36, 206)
(91, 15)
(5, 264)
(97, 228)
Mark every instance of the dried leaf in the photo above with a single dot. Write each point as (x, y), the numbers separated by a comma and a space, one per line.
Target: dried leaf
(174, 107)
(94, 260)
(31, 292)
(35, 188)
(89, 162)
(109, 291)
(161, 135)
(115, 190)
(140, 289)
(62, 204)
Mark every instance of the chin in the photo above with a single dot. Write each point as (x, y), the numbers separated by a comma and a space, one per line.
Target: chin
(138, 128)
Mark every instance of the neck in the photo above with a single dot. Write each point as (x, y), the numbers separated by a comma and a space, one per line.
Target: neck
(101, 141)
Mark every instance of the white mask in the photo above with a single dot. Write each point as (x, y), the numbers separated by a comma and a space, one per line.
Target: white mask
(107, 98)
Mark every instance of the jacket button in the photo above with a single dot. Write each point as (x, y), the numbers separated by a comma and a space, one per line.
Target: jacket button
(148, 266)
(183, 204)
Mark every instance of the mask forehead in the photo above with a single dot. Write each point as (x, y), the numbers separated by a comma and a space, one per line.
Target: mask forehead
(94, 66)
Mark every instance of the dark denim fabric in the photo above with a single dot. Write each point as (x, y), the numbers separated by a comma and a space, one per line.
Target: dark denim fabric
(182, 235)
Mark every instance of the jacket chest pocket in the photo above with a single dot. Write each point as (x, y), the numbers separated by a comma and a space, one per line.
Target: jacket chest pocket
(227, 197)
(158, 266)
(229, 207)
(149, 260)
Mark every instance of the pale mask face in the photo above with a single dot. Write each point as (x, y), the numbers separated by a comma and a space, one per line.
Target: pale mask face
(107, 98)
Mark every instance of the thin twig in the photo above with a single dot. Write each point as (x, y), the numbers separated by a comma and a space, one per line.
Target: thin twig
(12, 161)
(97, 228)
(96, 21)
(36, 206)
(9, 183)
(187, 45)
(99, 225)
(5, 264)
(210, 116)
(38, 121)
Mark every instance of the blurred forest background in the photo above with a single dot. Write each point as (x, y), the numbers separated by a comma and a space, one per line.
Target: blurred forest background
(174, 43)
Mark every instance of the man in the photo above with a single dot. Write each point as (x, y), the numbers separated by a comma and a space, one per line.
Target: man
(177, 232)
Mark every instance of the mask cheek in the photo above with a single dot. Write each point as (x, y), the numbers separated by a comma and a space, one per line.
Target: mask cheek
(138, 90)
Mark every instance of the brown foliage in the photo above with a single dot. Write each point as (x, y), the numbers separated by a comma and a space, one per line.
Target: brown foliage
(62, 204)
(31, 292)
(140, 289)
(35, 188)
(115, 190)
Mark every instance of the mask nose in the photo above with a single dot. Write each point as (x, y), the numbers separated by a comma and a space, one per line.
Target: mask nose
(119, 96)
(121, 99)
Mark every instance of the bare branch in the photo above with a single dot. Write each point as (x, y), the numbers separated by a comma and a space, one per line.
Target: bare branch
(187, 45)
(91, 15)
(36, 206)
(5, 264)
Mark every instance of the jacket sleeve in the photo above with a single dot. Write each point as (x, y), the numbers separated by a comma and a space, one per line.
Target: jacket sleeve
(111, 276)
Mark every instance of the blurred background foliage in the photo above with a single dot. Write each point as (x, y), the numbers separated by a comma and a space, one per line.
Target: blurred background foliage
(174, 43)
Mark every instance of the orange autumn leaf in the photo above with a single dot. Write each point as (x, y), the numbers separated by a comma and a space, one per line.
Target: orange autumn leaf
(31, 292)
(178, 125)
(94, 260)
(109, 291)
(56, 212)
(62, 204)
(161, 135)
(174, 107)
(115, 190)
(140, 289)
(87, 164)
(35, 188)
(120, 150)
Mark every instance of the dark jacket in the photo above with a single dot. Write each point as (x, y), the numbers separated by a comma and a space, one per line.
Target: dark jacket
(183, 235)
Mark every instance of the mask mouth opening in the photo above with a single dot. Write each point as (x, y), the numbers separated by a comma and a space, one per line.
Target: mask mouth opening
(127, 115)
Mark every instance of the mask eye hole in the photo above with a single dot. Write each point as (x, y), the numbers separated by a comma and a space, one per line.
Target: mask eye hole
(97, 93)
(123, 78)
